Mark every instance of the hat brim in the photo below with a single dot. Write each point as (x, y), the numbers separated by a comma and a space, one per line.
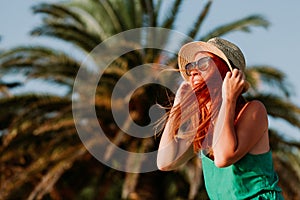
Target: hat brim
(188, 51)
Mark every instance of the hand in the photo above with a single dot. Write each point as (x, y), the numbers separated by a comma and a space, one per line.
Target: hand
(233, 85)
(182, 92)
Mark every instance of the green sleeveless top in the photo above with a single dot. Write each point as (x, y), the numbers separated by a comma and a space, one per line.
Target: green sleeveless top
(252, 177)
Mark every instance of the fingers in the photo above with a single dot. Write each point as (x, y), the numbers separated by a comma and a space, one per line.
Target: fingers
(235, 77)
(183, 89)
(184, 86)
(228, 75)
(237, 73)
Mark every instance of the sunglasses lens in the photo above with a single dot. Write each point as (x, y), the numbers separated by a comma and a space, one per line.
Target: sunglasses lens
(202, 65)
(189, 68)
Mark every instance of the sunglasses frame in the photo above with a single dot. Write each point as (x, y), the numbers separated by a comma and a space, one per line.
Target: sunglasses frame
(198, 65)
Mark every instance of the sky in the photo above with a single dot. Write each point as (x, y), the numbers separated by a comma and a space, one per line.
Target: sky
(277, 46)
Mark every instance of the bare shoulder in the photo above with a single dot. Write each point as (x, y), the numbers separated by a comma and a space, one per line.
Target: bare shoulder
(255, 126)
(254, 112)
(252, 129)
(257, 108)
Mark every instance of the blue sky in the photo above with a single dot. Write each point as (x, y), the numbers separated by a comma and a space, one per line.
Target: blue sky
(277, 46)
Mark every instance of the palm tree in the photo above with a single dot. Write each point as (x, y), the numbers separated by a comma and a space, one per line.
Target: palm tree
(41, 153)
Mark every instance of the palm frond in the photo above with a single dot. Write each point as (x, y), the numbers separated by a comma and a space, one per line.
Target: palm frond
(279, 142)
(26, 116)
(199, 21)
(56, 11)
(285, 165)
(91, 24)
(90, 8)
(148, 9)
(113, 15)
(107, 14)
(239, 25)
(267, 75)
(135, 19)
(171, 16)
(278, 107)
(286, 162)
(41, 62)
(157, 8)
(59, 16)
(86, 41)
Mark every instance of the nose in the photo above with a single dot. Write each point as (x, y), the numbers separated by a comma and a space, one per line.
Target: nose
(195, 73)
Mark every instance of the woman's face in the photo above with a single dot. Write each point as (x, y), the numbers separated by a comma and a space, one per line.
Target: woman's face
(204, 68)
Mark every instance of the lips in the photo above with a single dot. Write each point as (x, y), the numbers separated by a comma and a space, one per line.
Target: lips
(196, 82)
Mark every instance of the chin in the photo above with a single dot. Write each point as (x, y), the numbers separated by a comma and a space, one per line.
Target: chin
(195, 85)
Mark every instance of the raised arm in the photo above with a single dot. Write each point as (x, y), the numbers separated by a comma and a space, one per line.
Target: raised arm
(174, 152)
(232, 140)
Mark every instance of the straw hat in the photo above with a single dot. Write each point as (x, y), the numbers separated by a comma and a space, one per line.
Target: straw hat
(224, 49)
(232, 52)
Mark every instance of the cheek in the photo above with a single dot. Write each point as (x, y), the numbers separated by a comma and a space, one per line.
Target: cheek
(213, 76)
(210, 72)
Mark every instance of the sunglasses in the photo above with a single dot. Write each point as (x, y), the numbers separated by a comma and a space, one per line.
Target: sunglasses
(202, 65)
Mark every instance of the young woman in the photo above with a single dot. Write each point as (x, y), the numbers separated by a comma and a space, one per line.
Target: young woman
(210, 118)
